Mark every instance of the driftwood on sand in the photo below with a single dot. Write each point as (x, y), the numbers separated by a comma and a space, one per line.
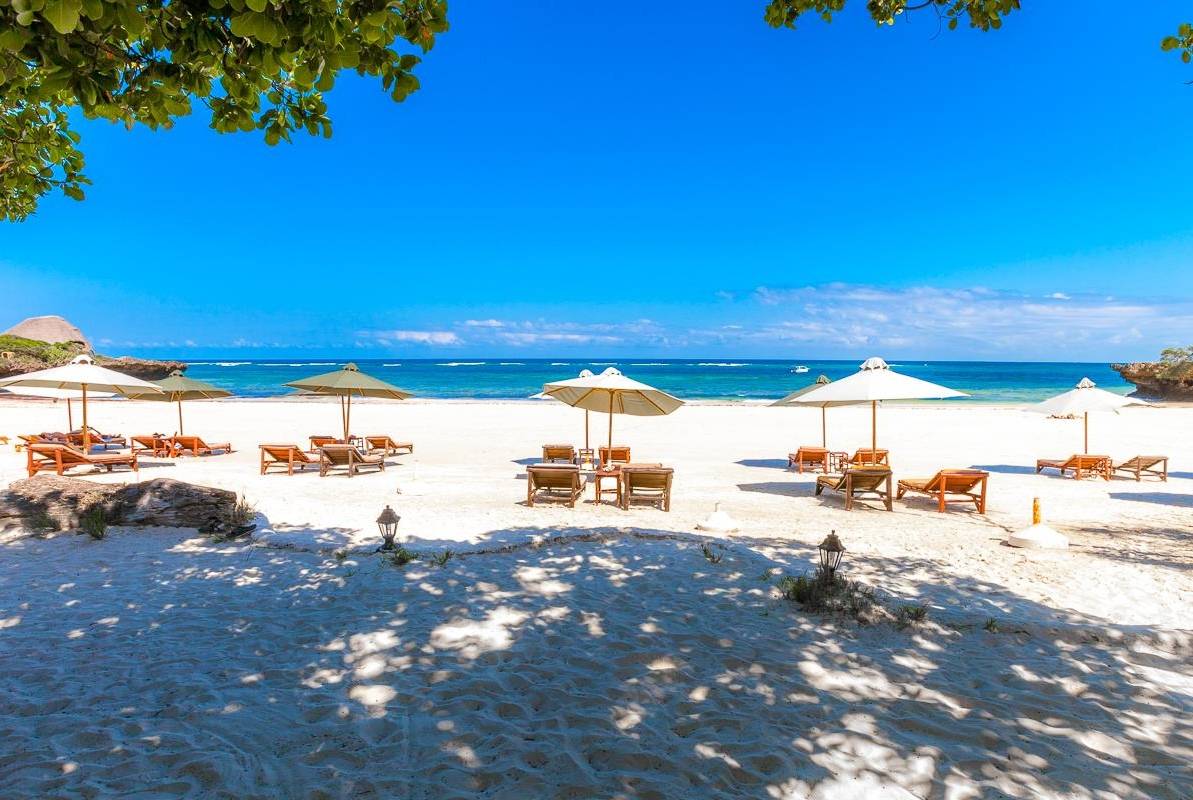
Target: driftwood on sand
(161, 501)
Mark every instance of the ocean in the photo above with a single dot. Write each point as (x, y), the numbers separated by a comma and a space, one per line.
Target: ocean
(695, 379)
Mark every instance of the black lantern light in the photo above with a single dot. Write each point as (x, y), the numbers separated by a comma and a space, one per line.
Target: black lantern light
(387, 523)
(831, 551)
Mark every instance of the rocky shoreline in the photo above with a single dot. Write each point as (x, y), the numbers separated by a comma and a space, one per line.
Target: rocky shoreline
(20, 363)
(1155, 380)
(51, 341)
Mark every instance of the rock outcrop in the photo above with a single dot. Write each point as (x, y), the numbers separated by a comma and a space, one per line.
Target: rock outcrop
(141, 368)
(1158, 381)
(63, 501)
(43, 342)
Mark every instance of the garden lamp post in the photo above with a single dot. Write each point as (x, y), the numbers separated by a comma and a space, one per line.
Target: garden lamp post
(387, 523)
(831, 551)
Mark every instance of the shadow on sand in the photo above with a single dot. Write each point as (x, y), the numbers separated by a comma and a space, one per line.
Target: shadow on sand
(601, 663)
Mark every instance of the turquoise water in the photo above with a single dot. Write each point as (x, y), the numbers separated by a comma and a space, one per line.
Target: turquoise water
(696, 379)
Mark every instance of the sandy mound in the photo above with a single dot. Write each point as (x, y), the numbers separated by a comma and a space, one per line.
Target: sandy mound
(624, 667)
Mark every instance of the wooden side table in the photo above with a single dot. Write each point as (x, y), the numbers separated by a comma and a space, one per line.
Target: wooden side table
(602, 475)
(837, 461)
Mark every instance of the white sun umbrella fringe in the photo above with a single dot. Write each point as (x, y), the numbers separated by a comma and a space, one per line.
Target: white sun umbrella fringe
(613, 393)
(1083, 399)
(56, 395)
(82, 374)
(872, 383)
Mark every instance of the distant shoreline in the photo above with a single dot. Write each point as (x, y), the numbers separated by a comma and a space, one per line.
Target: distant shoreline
(959, 404)
(706, 380)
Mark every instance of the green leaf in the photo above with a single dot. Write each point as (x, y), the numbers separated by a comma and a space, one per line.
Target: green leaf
(13, 39)
(62, 14)
(132, 21)
(256, 5)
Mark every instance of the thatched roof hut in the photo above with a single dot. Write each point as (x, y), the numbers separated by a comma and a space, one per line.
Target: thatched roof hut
(51, 329)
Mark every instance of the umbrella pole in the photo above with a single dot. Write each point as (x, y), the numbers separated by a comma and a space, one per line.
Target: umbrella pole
(1086, 450)
(347, 418)
(70, 417)
(586, 445)
(824, 426)
(873, 424)
(180, 416)
(610, 420)
(86, 431)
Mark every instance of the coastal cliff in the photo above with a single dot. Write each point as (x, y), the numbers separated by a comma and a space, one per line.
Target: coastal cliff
(1158, 380)
(57, 343)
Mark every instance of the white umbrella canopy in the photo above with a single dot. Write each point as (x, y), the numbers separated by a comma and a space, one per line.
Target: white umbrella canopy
(82, 374)
(1083, 399)
(613, 393)
(874, 381)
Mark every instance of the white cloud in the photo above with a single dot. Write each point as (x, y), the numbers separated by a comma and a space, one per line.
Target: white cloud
(956, 323)
(415, 337)
(525, 338)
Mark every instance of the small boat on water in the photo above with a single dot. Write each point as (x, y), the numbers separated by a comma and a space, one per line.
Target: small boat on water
(799, 370)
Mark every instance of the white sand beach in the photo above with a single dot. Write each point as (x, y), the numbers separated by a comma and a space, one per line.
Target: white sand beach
(594, 652)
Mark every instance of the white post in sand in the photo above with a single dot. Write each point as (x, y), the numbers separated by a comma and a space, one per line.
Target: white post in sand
(1039, 536)
(718, 521)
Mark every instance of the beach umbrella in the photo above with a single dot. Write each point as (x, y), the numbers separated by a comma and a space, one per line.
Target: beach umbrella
(873, 382)
(346, 383)
(84, 376)
(790, 400)
(56, 395)
(613, 393)
(177, 387)
(1083, 399)
(584, 373)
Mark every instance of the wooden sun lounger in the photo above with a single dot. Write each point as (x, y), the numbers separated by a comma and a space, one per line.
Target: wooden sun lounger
(320, 441)
(950, 485)
(75, 438)
(42, 438)
(197, 447)
(557, 481)
(559, 453)
(868, 457)
(858, 481)
(810, 457)
(388, 446)
(651, 483)
(289, 456)
(1080, 465)
(61, 457)
(1155, 466)
(614, 455)
(154, 445)
(345, 456)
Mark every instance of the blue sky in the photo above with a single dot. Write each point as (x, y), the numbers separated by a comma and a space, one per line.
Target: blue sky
(663, 183)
